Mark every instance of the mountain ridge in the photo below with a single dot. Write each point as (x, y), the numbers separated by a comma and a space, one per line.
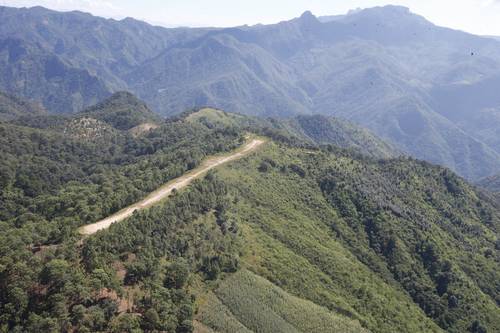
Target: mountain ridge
(383, 244)
(356, 67)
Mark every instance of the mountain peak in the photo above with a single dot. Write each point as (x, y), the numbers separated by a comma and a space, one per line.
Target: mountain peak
(124, 99)
(395, 9)
(122, 110)
(307, 15)
(308, 20)
(389, 15)
(122, 96)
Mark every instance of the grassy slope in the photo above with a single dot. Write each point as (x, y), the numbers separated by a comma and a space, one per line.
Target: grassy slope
(288, 245)
(296, 239)
(316, 267)
(216, 116)
(260, 306)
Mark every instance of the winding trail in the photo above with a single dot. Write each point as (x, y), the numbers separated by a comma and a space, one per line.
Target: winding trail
(165, 190)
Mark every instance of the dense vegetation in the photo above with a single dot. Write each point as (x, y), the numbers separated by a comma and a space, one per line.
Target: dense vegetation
(328, 130)
(398, 243)
(53, 181)
(12, 107)
(297, 237)
(123, 111)
(304, 131)
(189, 234)
(324, 228)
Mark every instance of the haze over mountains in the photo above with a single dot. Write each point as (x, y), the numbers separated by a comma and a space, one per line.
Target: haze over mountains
(312, 218)
(430, 91)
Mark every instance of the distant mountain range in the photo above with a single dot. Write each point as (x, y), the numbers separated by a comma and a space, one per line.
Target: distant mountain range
(494, 37)
(430, 91)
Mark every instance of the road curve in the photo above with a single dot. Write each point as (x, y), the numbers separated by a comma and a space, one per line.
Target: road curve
(166, 189)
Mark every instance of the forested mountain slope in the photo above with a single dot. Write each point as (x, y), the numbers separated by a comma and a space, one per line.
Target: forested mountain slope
(293, 238)
(302, 130)
(72, 60)
(329, 130)
(490, 183)
(417, 228)
(122, 111)
(52, 182)
(12, 107)
(38, 74)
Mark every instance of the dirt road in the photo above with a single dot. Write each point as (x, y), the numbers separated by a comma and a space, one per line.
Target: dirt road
(166, 189)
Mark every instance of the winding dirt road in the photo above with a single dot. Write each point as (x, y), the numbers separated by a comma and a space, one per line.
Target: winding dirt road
(167, 189)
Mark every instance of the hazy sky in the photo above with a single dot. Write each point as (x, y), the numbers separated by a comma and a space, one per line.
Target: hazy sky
(476, 16)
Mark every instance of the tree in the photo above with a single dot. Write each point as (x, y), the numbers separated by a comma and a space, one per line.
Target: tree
(78, 314)
(150, 320)
(211, 267)
(95, 319)
(177, 274)
(126, 323)
(37, 323)
(100, 279)
(185, 327)
(264, 166)
(476, 327)
(55, 273)
(18, 302)
(185, 312)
